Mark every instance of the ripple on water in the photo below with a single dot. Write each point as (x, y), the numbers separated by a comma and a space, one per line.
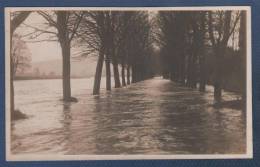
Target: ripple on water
(155, 116)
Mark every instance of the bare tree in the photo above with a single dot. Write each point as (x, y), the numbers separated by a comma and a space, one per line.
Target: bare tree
(20, 54)
(98, 32)
(174, 39)
(17, 19)
(221, 26)
(139, 46)
(93, 34)
(62, 27)
(126, 21)
(202, 46)
(242, 50)
(189, 39)
(110, 38)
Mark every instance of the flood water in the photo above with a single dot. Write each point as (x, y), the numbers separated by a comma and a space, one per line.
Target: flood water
(155, 116)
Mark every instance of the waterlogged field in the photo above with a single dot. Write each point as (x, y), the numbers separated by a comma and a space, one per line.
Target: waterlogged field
(155, 116)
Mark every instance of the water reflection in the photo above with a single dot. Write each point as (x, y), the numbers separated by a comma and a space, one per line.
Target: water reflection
(151, 117)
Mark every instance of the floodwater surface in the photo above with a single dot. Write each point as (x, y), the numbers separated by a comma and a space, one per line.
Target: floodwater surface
(155, 116)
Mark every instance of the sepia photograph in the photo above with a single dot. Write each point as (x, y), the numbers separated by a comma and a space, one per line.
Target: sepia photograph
(93, 83)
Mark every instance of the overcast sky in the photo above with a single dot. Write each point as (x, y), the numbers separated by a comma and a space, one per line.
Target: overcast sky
(41, 51)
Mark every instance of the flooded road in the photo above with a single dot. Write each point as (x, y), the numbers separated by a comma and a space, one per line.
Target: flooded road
(155, 116)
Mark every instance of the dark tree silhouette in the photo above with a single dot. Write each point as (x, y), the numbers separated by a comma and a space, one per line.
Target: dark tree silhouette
(17, 20)
(93, 33)
(66, 23)
(219, 34)
(242, 50)
(188, 39)
(119, 38)
(202, 46)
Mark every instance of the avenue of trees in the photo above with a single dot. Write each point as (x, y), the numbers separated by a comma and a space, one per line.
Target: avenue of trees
(116, 38)
(119, 39)
(194, 47)
(204, 47)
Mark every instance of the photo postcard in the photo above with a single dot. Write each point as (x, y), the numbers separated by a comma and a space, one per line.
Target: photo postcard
(120, 83)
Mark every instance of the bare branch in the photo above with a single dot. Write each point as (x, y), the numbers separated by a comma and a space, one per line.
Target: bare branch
(44, 40)
(48, 18)
(16, 21)
(235, 23)
(211, 35)
(41, 30)
(76, 25)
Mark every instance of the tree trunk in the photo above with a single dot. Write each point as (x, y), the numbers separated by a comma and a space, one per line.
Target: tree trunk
(128, 75)
(115, 66)
(108, 74)
(202, 86)
(123, 75)
(217, 91)
(17, 20)
(182, 69)
(66, 71)
(65, 49)
(134, 74)
(220, 52)
(242, 48)
(14, 23)
(11, 88)
(98, 73)
(11, 78)
(189, 71)
(116, 74)
(218, 75)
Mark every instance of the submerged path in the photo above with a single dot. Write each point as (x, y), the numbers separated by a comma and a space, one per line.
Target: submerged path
(155, 116)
